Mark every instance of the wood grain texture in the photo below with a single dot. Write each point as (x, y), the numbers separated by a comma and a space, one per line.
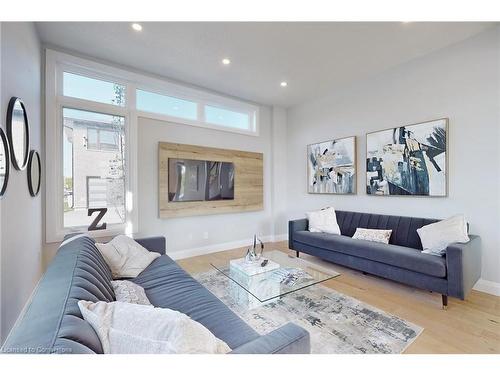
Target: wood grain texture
(470, 326)
(248, 183)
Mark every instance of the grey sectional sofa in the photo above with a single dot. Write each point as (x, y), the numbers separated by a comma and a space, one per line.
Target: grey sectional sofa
(401, 260)
(52, 322)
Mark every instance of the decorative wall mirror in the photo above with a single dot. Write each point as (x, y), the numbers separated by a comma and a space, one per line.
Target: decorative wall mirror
(34, 173)
(4, 163)
(18, 133)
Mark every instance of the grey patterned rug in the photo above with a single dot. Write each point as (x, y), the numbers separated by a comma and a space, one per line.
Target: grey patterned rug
(337, 323)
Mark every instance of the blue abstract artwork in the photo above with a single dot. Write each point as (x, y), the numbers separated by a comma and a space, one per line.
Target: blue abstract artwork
(408, 160)
(332, 166)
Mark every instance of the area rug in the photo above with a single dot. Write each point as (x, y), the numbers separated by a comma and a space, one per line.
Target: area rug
(337, 323)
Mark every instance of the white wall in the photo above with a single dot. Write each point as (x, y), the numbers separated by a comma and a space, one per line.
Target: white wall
(279, 173)
(21, 240)
(186, 236)
(460, 82)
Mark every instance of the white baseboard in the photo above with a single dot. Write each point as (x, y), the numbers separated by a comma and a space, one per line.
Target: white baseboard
(188, 253)
(487, 286)
(281, 237)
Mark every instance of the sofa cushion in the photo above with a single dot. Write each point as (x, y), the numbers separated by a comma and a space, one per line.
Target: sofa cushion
(404, 229)
(399, 256)
(168, 285)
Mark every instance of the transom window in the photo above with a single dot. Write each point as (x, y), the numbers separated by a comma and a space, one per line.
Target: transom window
(97, 90)
(195, 111)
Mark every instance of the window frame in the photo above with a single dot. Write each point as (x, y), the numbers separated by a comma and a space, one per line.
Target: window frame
(201, 99)
(56, 63)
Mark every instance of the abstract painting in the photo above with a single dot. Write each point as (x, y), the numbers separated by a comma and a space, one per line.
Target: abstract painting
(332, 166)
(408, 160)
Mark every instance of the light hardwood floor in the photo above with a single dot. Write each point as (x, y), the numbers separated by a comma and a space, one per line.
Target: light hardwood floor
(470, 326)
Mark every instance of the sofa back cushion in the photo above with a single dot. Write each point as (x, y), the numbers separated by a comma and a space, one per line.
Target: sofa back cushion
(404, 229)
(52, 321)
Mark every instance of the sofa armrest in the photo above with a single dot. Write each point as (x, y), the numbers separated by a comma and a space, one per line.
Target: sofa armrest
(463, 264)
(288, 339)
(294, 226)
(156, 244)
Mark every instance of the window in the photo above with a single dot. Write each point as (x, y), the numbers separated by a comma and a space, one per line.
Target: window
(166, 105)
(97, 90)
(92, 112)
(230, 116)
(93, 179)
(225, 117)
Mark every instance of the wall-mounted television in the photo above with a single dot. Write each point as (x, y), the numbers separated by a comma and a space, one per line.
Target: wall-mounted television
(199, 180)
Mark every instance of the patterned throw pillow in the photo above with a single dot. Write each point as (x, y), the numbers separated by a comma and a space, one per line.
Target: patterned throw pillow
(127, 291)
(375, 235)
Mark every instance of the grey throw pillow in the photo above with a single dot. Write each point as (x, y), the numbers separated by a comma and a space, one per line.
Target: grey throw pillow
(127, 291)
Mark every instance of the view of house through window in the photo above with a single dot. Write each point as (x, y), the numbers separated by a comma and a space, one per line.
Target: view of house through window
(94, 165)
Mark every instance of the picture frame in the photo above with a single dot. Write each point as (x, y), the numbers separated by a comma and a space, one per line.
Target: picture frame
(331, 166)
(408, 160)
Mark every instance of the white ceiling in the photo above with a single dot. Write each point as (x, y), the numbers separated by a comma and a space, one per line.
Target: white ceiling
(314, 58)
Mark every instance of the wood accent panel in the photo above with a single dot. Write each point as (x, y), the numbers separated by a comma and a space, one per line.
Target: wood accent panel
(248, 180)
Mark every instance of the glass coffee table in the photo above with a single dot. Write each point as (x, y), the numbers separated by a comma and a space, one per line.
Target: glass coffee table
(252, 284)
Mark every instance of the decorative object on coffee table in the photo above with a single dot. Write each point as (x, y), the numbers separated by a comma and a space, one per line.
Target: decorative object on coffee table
(252, 255)
(251, 276)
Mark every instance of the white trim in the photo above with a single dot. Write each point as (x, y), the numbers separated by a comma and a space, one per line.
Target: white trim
(200, 124)
(487, 286)
(280, 237)
(56, 63)
(215, 248)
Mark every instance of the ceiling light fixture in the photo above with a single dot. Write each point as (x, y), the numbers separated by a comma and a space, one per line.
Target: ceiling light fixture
(284, 84)
(137, 26)
(226, 61)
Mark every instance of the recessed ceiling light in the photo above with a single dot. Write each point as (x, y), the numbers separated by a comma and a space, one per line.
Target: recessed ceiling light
(226, 61)
(137, 26)
(284, 84)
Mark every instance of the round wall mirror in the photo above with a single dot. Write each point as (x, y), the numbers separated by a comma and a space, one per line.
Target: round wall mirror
(4, 163)
(34, 173)
(18, 133)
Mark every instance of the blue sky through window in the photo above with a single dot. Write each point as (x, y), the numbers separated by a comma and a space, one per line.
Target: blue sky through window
(167, 105)
(97, 90)
(225, 117)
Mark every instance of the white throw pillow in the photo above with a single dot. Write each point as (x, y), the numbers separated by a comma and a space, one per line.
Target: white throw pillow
(127, 291)
(324, 220)
(437, 236)
(374, 235)
(126, 328)
(125, 257)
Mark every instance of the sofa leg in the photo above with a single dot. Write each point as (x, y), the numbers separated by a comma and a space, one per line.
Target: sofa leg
(298, 254)
(444, 298)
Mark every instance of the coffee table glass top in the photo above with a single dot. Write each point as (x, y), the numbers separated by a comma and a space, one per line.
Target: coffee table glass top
(283, 274)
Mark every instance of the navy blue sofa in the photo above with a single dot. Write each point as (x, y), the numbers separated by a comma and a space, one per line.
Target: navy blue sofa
(52, 322)
(401, 260)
